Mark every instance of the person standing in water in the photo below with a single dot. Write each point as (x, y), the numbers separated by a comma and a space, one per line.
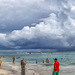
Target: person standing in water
(0, 63)
(47, 60)
(13, 60)
(56, 67)
(23, 64)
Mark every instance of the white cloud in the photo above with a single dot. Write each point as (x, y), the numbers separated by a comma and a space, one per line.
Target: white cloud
(4, 41)
(57, 28)
(48, 29)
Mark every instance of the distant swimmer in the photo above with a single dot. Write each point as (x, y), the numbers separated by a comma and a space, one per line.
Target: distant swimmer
(0, 63)
(13, 60)
(61, 58)
(23, 64)
(56, 67)
(36, 61)
(47, 60)
(42, 61)
(23, 58)
(18, 57)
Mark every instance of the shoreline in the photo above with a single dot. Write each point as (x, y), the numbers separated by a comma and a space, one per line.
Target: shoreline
(8, 68)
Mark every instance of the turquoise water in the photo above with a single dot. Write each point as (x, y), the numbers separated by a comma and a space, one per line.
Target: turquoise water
(65, 58)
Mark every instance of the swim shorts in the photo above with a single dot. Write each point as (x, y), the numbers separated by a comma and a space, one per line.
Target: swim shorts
(13, 60)
(56, 73)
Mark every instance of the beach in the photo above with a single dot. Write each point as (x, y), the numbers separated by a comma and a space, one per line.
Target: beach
(8, 68)
(66, 59)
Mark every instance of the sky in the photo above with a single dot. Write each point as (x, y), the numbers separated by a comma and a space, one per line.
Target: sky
(37, 24)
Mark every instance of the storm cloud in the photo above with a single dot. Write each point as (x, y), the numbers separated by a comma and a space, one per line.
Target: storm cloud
(38, 24)
(15, 14)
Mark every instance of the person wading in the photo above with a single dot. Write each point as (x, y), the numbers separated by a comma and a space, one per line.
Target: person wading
(13, 60)
(56, 67)
(47, 60)
(0, 63)
(23, 64)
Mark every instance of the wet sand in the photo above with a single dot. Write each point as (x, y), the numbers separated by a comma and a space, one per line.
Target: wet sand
(34, 69)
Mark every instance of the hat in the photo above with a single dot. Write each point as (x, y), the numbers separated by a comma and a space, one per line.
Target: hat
(55, 59)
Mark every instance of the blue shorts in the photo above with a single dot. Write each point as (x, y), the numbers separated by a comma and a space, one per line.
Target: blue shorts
(13, 60)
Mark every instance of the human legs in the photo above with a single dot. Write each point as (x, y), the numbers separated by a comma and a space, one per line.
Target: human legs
(0, 66)
(13, 61)
(57, 73)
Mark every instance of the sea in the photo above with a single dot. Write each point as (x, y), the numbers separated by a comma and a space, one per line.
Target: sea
(65, 58)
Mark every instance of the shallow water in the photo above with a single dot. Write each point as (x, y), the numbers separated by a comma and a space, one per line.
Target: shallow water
(65, 58)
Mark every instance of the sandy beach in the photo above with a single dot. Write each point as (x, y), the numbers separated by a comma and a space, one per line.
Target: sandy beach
(34, 69)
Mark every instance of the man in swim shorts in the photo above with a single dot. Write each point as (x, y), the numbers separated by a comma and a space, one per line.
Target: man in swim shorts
(23, 64)
(56, 67)
(13, 60)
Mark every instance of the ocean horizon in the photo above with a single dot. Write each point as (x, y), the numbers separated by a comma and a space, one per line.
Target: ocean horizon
(65, 58)
(35, 50)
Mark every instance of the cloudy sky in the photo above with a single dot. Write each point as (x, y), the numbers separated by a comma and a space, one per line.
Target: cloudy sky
(37, 24)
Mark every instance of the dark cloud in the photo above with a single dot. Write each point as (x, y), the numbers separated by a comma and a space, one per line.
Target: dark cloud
(20, 13)
(37, 24)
